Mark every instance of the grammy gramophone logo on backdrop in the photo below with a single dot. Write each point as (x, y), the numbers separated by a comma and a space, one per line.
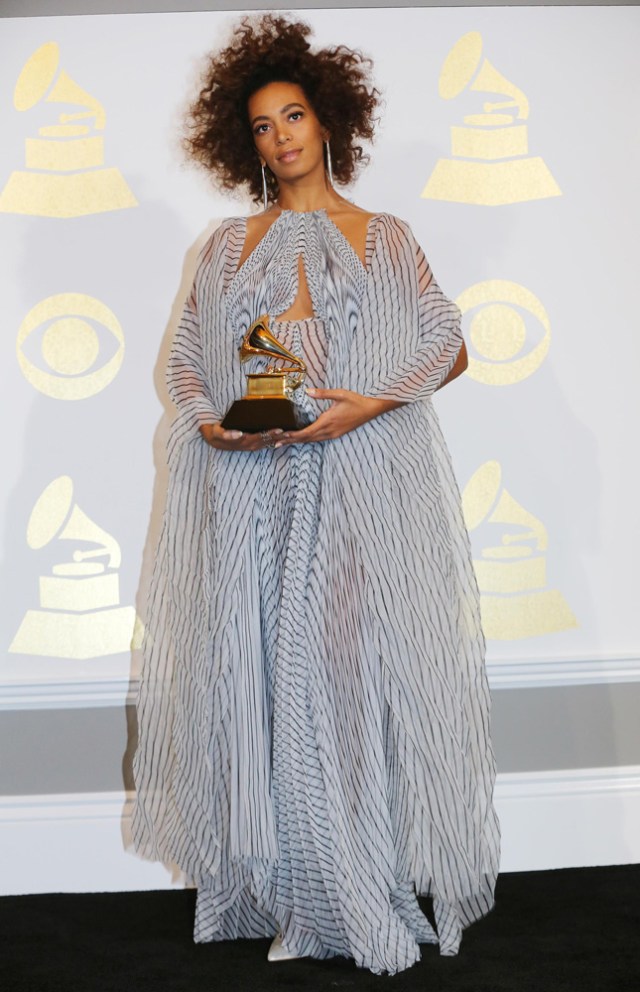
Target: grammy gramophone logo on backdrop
(490, 162)
(512, 567)
(72, 357)
(64, 173)
(79, 614)
(500, 328)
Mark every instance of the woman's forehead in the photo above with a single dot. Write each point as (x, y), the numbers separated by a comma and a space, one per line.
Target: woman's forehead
(276, 98)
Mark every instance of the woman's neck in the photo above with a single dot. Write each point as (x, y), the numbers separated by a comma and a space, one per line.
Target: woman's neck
(306, 199)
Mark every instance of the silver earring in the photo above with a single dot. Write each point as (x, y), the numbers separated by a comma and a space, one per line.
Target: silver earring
(329, 167)
(265, 194)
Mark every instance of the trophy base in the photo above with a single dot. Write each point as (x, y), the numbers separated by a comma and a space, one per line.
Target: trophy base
(261, 414)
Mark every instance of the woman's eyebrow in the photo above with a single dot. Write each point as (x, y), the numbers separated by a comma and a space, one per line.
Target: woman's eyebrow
(283, 110)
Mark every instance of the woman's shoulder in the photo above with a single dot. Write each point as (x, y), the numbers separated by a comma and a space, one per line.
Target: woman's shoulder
(392, 222)
(351, 214)
(229, 227)
(221, 239)
(391, 233)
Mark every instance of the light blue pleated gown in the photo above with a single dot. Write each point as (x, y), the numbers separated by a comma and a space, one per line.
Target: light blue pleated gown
(313, 710)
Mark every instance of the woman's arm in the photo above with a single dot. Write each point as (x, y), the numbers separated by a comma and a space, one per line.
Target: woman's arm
(461, 363)
(438, 356)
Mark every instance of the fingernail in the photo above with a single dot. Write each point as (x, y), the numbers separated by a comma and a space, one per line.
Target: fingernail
(311, 391)
(232, 435)
(278, 445)
(277, 430)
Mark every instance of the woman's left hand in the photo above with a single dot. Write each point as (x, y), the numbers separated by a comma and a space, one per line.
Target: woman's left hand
(347, 411)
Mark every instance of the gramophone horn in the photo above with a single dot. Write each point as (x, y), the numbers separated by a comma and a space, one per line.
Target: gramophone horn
(55, 515)
(260, 341)
(80, 527)
(509, 511)
(38, 74)
(66, 90)
(460, 66)
(489, 80)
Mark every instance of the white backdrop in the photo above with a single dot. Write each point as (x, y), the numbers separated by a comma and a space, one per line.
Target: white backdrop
(99, 241)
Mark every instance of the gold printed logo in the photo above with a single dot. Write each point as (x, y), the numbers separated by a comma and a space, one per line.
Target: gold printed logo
(498, 331)
(514, 597)
(70, 346)
(490, 162)
(65, 174)
(79, 615)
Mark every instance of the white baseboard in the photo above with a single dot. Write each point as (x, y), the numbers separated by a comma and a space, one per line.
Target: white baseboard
(569, 819)
(536, 673)
(558, 819)
(67, 693)
(72, 843)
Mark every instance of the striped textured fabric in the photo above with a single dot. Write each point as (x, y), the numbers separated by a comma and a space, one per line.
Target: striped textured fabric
(313, 710)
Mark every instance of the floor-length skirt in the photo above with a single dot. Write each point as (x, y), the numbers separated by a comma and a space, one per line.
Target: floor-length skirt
(376, 788)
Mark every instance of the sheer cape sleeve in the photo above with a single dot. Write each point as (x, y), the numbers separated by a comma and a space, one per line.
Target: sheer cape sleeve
(409, 335)
(188, 375)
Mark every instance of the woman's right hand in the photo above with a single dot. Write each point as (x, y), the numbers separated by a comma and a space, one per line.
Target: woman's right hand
(218, 437)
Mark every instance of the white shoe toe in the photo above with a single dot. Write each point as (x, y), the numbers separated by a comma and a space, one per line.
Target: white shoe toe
(277, 952)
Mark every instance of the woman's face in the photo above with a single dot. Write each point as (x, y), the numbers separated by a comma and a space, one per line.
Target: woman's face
(287, 134)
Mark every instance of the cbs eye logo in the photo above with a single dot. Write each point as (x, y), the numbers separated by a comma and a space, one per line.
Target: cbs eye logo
(509, 345)
(70, 346)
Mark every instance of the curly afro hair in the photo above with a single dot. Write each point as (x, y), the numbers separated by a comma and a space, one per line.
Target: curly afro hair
(336, 81)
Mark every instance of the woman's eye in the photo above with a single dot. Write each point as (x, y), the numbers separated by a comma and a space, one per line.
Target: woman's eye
(296, 115)
(261, 129)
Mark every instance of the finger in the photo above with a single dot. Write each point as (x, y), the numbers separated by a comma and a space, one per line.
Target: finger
(213, 436)
(234, 440)
(296, 437)
(309, 438)
(234, 435)
(306, 433)
(328, 394)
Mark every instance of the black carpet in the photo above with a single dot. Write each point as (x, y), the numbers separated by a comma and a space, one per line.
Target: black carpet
(575, 930)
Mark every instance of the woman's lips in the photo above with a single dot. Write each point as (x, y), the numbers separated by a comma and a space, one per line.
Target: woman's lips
(290, 156)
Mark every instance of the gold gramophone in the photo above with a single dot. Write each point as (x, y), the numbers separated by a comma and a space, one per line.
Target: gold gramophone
(512, 576)
(268, 402)
(64, 174)
(79, 613)
(490, 162)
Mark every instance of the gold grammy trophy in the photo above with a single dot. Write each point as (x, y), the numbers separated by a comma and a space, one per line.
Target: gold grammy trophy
(65, 174)
(512, 575)
(80, 614)
(268, 403)
(490, 162)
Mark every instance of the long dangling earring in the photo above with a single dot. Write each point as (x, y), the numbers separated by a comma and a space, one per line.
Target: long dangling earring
(265, 194)
(329, 166)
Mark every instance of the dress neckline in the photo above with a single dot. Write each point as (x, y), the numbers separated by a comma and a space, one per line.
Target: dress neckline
(303, 213)
(332, 226)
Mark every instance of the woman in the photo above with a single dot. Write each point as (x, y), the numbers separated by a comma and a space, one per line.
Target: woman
(313, 710)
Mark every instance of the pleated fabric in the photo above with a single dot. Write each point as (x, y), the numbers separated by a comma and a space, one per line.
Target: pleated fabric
(313, 711)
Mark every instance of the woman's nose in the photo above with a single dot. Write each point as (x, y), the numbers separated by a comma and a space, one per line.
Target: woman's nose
(282, 135)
